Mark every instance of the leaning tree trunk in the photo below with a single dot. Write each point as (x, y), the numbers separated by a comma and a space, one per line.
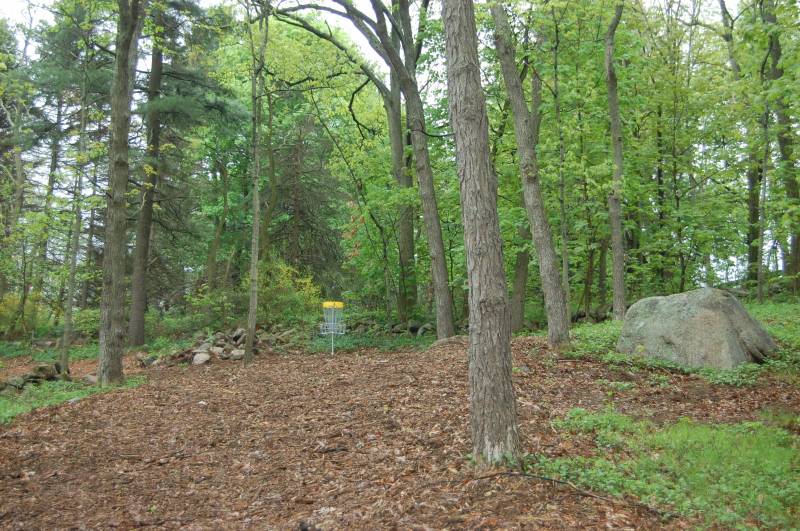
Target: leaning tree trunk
(493, 411)
(152, 168)
(112, 330)
(615, 197)
(526, 128)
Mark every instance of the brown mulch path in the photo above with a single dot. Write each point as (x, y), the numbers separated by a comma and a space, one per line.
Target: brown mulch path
(365, 440)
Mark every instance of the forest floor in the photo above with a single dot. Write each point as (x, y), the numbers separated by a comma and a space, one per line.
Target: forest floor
(366, 439)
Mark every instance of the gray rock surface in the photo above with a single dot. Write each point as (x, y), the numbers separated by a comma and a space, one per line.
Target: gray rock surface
(702, 328)
(201, 358)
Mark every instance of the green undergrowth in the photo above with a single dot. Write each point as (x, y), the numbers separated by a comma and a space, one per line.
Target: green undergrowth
(743, 475)
(782, 321)
(52, 393)
(382, 342)
(159, 346)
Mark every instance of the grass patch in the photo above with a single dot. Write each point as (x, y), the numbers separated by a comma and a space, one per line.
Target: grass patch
(385, 343)
(52, 393)
(741, 475)
(13, 349)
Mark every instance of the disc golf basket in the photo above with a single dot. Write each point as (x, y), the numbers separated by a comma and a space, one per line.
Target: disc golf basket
(333, 313)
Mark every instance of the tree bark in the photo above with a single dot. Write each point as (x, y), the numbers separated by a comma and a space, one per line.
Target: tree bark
(407, 285)
(615, 197)
(520, 284)
(785, 135)
(493, 412)
(257, 84)
(112, 330)
(526, 128)
(55, 151)
(602, 278)
(69, 295)
(213, 248)
(152, 170)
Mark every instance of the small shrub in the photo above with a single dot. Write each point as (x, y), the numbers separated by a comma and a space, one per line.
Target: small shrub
(285, 296)
(86, 322)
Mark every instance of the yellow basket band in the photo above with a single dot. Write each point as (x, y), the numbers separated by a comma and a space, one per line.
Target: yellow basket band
(333, 304)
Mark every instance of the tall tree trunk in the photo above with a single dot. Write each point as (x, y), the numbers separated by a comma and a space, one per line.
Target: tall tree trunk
(69, 295)
(213, 248)
(786, 140)
(55, 151)
(615, 197)
(526, 128)
(520, 284)
(493, 411)
(430, 212)
(602, 278)
(91, 252)
(152, 171)
(562, 191)
(407, 285)
(760, 273)
(753, 172)
(112, 330)
(257, 84)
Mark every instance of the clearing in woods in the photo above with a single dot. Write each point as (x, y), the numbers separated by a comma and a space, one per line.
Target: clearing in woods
(360, 440)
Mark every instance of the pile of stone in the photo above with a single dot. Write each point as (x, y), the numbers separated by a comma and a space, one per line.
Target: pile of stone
(39, 374)
(228, 345)
(412, 327)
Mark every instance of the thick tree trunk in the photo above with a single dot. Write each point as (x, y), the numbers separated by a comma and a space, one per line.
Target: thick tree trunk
(526, 127)
(615, 197)
(112, 330)
(493, 412)
(152, 170)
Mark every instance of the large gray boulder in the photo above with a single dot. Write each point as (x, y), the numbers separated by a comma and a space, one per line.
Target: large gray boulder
(702, 328)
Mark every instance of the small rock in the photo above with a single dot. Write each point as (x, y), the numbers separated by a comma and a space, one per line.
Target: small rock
(145, 360)
(224, 355)
(90, 379)
(203, 347)
(455, 341)
(216, 350)
(200, 358)
(45, 372)
(238, 335)
(237, 354)
(413, 326)
(73, 400)
(427, 327)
